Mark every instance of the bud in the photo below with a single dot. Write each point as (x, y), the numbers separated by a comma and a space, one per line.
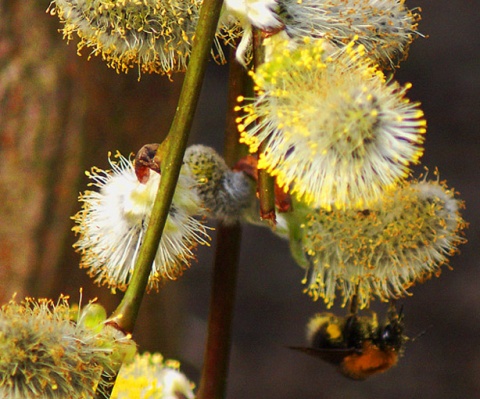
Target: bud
(226, 194)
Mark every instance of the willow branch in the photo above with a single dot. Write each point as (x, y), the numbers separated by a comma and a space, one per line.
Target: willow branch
(175, 144)
(217, 351)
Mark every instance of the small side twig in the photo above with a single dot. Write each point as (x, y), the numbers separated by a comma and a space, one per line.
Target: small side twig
(266, 184)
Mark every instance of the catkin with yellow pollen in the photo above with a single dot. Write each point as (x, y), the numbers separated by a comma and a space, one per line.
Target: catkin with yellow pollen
(336, 133)
(386, 28)
(154, 36)
(150, 376)
(382, 250)
(47, 354)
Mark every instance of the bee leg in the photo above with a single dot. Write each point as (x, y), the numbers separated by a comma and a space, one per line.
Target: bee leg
(352, 330)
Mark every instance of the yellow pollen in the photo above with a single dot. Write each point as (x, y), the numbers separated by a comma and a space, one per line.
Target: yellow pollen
(334, 331)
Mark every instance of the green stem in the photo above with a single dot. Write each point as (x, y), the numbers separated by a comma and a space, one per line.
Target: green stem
(125, 316)
(126, 313)
(217, 352)
(266, 185)
(173, 148)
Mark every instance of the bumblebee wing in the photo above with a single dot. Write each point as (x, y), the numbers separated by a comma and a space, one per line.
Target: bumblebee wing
(330, 355)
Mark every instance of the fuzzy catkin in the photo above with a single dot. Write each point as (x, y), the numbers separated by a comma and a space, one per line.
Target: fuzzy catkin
(154, 36)
(335, 133)
(379, 251)
(46, 355)
(112, 223)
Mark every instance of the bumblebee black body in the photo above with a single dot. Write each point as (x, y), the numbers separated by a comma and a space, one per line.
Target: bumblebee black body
(357, 345)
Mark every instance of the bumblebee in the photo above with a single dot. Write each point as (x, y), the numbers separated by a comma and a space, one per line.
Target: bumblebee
(357, 345)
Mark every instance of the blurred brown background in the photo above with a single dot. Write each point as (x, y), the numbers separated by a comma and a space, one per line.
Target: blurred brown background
(60, 114)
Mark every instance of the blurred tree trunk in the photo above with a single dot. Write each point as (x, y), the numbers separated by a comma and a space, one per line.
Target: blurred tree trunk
(59, 115)
(41, 117)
